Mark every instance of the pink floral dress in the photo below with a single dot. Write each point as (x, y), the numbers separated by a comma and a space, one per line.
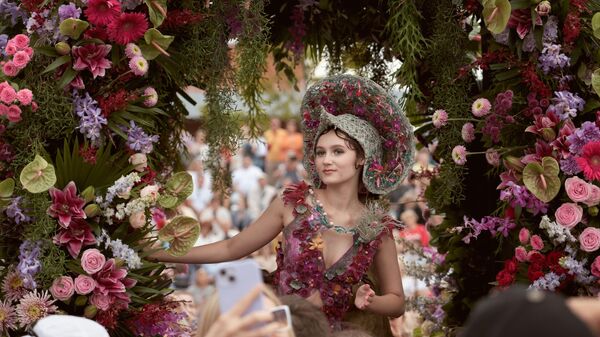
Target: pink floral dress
(300, 264)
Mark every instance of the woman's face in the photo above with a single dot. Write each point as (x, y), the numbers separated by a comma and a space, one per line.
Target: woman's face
(335, 161)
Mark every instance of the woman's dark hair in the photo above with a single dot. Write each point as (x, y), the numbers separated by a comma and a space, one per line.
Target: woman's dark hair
(352, 144)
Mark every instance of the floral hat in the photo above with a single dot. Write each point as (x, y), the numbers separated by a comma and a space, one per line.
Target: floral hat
(367, 113)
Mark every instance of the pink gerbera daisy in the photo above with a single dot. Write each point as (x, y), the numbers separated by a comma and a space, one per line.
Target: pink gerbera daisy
(128, 27)
(589, 162)
(8, 318)
(102, 12)
(33, 307)
(13, 286)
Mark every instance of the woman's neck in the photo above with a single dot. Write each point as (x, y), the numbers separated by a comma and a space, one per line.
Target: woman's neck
(343, 197)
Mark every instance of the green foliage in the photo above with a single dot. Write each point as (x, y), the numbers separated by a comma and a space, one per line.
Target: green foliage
(53, 260)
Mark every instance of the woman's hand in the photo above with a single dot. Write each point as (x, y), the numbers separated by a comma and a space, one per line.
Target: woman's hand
(233, 324)
(364, 297)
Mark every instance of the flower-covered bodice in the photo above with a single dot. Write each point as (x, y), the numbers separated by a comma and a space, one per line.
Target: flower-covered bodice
(301, 266)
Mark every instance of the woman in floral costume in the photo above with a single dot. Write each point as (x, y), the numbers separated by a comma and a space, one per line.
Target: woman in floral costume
(358, 145)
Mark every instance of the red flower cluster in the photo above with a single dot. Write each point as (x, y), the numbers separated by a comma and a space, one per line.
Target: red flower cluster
(114, 102)
(506, 276)
(533, 82)
(571, 28)
(538, 265)
(179, 18)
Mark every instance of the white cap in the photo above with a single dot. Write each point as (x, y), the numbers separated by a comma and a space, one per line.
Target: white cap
(68, 326)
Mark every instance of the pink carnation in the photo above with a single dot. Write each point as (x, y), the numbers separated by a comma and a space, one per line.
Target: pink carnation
(459, 155)
(8, 95)
(21, 41)
(596, 267)
(84, 284)
(11, 48)
(521, 254)
(92, 261)
(589, 239)
(568, 214)
(10, 69)
(468, 132)
(14, 113)
(62, 288)
(536, 242)
(577, 189)
(28, 51)
(481, 107)
(21, 59)
(25, 96)
(524, 236)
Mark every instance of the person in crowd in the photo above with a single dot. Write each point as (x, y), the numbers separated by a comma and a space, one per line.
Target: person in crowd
(202, 180)
(260, 198)
(307, 319)
(245, 178)
(352, 333)
(293, 141)
(209, 231)
(202, 288)
(241, 216)
(275, 138)
(290, 170)
(413, 230)
(335, 232)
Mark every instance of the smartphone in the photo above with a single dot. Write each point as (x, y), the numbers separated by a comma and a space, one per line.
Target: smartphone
(236, 279)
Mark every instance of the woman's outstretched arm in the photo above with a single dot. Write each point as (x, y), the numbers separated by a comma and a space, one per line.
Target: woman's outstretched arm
(259, 233)
(391, 300)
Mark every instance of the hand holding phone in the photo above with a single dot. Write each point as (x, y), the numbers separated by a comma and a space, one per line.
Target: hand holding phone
(236, 279)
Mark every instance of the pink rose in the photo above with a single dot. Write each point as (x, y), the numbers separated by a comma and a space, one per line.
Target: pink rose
(521, 254)
(536, 242)
(589, 239)
(102, 302)
(62, 288)
(92, 261)
(150, 191)
(84, 284)
(568, 214)
(3, 110)
(25, 96)
(14, 113)
(594, 198)
(577, 189)
(139, 161)
(524, 236)
(29, 51)
(10, 69)
(8, 95)
(21, 41)
(596, 267)
(21, 59)
(137, 220)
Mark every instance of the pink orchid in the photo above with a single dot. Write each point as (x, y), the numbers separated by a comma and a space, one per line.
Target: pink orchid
(112, 281)
(66, 205)
(92, 57)
(78, 235)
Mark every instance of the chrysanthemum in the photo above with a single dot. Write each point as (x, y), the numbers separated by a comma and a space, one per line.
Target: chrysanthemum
(468, 132)
(138, 65)
(151, 97)
(459, 155)
(8, 318)
(128, 27)
(13, 286)
(132, 50)
(102, 12)
(589, 162)
(439, 118)
(481, 107)
(34, 307)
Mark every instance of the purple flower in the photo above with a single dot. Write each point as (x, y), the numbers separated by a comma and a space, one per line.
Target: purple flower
(68, 11)
(3, 41)
(517, 195)
(14, 212)
(566, 104)
(14, 11)
(91, 119)
(138, 140)
(29, 263)
(550, 30)
(587, 132)
(569, 166)
(491, 224)
(529, 42)
(551, 58)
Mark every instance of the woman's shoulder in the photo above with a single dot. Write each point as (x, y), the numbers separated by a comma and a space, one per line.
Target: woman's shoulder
(294, 194)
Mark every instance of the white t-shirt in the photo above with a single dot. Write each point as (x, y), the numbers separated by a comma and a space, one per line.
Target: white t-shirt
(246, 179)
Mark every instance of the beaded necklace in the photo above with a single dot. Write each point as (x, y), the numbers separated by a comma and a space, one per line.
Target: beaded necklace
(325, 220)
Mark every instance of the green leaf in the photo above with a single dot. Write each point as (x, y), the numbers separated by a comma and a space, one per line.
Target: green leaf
(67, 77)
(156, 16)
(38, 176)
(154, 39)
(496, 14)
(596, 25)
(46, 50)
(57, 63)
(7, 187)
(596, 81)
(181, 232)
(542, 180)
(73, 28)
